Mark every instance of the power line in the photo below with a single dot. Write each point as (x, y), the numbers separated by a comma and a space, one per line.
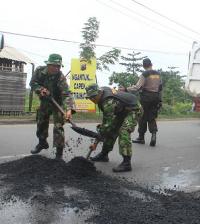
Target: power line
(154, 21)
(166, 17)
(99, 45)
(40, 37)
(38, 55)
(144, 22)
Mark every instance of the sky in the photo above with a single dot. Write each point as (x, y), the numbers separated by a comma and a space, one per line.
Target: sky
(126, 24)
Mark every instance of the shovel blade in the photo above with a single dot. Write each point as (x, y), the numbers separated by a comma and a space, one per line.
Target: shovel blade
(85, 132)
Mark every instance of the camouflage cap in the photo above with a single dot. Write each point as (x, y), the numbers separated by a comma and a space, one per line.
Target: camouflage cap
(92, 90)
(54, 59)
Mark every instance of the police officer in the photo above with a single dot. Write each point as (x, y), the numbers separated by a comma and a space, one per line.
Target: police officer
(119, 120)
(49, 80)
(150, 87)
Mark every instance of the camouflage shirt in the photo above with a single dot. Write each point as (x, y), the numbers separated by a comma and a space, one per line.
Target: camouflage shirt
(112, 121)
(56, 84)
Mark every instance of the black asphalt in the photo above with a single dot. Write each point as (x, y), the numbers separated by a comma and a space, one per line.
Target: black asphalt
(162, 188)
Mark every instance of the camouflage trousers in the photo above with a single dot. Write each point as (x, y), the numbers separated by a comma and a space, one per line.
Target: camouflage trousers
(43, 115)
(124, 136)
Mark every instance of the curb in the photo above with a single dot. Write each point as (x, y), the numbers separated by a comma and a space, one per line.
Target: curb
(33, 121)
(9, 122)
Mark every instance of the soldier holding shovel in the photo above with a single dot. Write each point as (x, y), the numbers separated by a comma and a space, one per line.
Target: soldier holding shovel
(49, 80)
(118, 121)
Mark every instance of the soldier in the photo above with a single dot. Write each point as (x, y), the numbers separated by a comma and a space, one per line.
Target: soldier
(118, 121)
(150, 98)
(49, 80)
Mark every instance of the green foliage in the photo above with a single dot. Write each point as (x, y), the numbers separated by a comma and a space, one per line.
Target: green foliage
(123, 79)
(90, 34)
(133, 65)
(182, 108)
(176, 109)
(166, 109)
(173, 88)
(109, 58)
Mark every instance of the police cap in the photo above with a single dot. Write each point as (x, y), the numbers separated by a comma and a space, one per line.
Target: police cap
(147, 63)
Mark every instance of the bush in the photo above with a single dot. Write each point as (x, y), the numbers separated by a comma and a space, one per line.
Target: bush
(166, 110)
(182, 108)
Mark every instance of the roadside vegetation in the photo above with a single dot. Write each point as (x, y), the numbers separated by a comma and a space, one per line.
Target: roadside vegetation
(181, 108)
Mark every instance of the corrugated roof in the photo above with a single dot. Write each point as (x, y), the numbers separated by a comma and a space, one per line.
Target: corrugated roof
(13, 54)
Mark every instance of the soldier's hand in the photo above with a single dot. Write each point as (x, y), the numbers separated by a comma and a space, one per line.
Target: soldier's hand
(98, 127)
(68, 115)
(93, 146)
(44, 92)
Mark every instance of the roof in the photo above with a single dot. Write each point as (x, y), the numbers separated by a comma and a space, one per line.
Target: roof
(13, 54)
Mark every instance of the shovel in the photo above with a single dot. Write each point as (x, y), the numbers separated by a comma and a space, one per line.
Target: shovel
(82, 131)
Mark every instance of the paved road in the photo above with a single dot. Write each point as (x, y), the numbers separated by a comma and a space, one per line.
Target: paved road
(174, 162)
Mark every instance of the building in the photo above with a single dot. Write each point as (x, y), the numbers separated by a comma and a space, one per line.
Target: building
(12, 81)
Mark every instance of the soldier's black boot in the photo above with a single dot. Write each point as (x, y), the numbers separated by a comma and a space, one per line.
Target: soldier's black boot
(100, 157)
(139, 139)
(124, 166)
(43, 144)
(59, 152)
(153, 139)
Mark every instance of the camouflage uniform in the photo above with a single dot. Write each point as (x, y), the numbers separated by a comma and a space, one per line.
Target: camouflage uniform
(120, 110)
(113, 125)
(59, 90)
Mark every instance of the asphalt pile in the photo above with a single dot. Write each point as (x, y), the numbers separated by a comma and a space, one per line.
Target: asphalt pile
(114, 200)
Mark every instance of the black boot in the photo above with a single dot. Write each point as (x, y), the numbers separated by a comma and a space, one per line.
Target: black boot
(124, 166)
(59, 152)
(140, 139)
(43, 144)
(100, 157)
(153, 139)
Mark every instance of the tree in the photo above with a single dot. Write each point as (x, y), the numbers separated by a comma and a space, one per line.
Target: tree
(133, 65)
(90, 34)
(173, 87)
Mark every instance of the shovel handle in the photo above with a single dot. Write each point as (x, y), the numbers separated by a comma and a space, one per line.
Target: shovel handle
(57, 105)
(62, 111)
(72, 123)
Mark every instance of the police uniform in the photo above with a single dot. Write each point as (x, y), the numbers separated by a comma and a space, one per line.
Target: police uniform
(150, 86)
